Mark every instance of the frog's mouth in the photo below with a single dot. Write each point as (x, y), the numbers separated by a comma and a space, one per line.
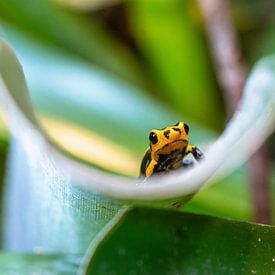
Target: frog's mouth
(178, 144)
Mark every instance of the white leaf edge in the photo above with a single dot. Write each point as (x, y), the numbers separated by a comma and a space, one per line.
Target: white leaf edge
(251, 124)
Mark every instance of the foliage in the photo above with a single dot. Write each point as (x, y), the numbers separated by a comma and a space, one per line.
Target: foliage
(97, 89)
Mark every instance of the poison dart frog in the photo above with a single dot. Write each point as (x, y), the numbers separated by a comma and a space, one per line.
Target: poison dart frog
(168, 148)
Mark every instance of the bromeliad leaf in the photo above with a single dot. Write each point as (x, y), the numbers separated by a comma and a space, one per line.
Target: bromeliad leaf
(255, 114)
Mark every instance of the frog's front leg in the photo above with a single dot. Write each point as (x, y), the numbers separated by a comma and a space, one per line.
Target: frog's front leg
(195, 151)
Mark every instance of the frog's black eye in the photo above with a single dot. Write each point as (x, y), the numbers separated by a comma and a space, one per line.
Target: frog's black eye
(177, 124)
(153, 138)
(186, 128)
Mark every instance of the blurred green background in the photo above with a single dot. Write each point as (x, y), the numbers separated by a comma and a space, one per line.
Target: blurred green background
(133, 65)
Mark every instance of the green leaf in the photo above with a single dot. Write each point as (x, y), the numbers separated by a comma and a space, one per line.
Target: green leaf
(25, 264)
(150, 241)
(174, 47)
(76, 35)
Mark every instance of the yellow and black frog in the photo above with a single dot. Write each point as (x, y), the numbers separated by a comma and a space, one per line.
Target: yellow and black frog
(168, 148)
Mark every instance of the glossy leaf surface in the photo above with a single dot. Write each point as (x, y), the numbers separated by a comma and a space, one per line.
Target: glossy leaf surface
(182, 243)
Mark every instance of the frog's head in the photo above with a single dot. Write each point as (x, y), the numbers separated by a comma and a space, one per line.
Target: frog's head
(168, 139)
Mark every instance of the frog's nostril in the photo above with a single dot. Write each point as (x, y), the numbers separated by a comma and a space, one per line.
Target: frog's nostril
(167, 134)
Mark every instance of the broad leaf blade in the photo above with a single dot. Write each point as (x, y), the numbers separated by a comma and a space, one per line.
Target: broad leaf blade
(182, 243)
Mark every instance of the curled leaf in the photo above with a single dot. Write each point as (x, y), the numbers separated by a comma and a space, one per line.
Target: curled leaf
(251, 124)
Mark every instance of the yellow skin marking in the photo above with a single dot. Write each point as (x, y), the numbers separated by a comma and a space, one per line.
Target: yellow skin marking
(168, 147)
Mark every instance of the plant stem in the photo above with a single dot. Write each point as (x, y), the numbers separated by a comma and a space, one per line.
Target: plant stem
(232, 71)
(259, 172)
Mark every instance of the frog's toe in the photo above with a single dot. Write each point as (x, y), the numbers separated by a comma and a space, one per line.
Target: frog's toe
(198, 154)
(187, 163)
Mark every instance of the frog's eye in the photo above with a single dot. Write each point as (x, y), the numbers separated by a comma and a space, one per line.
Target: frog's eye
(186, 128)
(153, 138)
